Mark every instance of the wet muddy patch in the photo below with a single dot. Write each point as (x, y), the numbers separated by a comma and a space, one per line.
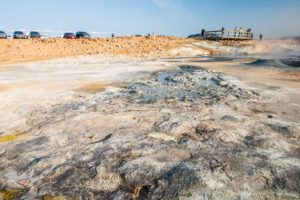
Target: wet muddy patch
(92, 87)
(188, 83)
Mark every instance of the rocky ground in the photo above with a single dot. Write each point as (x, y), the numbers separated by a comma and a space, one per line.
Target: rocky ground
(183, 133)
(95, 127)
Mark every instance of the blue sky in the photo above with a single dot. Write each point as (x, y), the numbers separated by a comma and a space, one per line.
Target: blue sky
(273, 18)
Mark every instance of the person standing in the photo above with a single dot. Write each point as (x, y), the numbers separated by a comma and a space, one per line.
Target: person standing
(260, 37)
(202, 33)
(223, 30)
(235, 31)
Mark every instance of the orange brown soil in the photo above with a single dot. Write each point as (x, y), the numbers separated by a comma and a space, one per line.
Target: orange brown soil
(3, 87)
(17, 51)
(93, 87)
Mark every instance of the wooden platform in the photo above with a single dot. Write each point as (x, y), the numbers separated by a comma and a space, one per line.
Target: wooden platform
(228, 35)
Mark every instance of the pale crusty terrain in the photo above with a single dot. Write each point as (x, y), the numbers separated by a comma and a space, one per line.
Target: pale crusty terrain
(133, 126)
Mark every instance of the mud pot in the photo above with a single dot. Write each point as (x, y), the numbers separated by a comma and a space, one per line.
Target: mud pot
(98, 128)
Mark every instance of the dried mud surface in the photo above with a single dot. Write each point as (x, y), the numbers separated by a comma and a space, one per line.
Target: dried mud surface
(99, 127)
(185, 133)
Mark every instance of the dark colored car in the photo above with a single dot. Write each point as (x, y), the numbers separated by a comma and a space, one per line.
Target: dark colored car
(69, 36)
(81, 34)
(3, 35)
(19, 35)
(34, 34)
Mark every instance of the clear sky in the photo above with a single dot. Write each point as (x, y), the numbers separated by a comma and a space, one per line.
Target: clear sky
(273, 18)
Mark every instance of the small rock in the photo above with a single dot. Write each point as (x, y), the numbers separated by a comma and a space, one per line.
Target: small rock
(223, 83)
(186, 98)
(162, 136)
(2, 151)
(24, 182)
(229, 118)
(249, 92)
(105, 180)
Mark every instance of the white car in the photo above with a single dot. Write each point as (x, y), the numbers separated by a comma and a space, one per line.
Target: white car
(3, 35)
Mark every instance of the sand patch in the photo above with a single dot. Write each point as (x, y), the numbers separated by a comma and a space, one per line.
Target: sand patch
(19, 51)
(3, 87)
(4, 69)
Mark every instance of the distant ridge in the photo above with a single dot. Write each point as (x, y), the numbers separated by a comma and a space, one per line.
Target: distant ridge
(291, 38)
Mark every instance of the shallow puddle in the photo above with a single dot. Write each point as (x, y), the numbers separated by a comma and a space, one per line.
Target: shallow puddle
(93, 88)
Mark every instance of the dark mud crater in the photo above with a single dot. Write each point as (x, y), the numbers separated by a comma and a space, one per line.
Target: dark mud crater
(188, 83)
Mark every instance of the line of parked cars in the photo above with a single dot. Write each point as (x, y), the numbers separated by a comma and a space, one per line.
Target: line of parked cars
(35, 34)
(79, 34)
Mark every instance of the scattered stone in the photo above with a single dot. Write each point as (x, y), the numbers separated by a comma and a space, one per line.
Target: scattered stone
(223, 83)
(105, 180)
(204, 132)
(162, 136)
(50, 197)
(102, 139)
(229, 118)
(283, 129)
(253, 141)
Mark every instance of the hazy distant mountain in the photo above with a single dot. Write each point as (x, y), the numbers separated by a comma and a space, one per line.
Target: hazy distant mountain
(292, 38)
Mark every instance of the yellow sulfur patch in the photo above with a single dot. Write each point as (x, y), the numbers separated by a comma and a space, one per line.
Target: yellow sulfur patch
(50, 197)
(13, 194)
(10, 138)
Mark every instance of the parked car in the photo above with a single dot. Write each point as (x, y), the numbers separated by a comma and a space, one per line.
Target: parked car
(34, 34)
(19, 35)
(69, 36)
(3, 35)
(81, 34)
